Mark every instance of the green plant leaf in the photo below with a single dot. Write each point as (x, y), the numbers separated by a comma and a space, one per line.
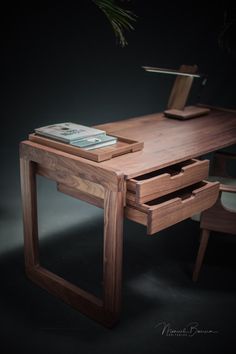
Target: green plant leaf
(119, 18)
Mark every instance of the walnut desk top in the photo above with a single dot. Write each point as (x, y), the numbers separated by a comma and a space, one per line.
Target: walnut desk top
(166, 141)
(169, 141)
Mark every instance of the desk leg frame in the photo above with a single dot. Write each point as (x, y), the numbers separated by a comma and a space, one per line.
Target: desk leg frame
(106, 310)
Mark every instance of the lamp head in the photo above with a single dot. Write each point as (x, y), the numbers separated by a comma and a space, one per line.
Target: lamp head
(169, 71)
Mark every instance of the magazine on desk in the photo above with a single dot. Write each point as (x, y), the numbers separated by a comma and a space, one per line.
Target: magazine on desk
(77, 135)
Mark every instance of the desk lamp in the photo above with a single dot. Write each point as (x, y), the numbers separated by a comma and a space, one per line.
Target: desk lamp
(176, 105)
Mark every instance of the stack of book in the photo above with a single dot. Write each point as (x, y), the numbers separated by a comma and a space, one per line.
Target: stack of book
(77, 135)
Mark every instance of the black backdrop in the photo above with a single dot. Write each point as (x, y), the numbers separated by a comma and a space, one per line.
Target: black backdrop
(62, 62)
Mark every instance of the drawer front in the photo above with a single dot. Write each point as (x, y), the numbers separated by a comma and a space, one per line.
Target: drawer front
(158, 183)
(163, 212)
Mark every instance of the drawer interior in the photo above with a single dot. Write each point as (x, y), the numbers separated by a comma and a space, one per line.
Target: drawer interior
(171, 170)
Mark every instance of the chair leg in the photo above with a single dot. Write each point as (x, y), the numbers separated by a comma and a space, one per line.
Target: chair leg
(201, 252)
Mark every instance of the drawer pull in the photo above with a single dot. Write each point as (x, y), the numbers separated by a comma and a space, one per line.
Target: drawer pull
(158, 183)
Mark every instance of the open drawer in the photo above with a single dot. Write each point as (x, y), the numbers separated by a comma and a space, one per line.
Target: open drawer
(168, 210)
(167, 180)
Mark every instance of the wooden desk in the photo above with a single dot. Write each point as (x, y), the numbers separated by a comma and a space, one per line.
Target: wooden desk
(111, 184)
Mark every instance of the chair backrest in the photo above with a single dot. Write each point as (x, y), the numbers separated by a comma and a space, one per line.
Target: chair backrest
(221, 164)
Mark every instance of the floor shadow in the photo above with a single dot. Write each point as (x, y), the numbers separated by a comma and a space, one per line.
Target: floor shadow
(157, 287)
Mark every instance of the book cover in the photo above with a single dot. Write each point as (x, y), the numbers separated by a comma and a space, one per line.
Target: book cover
(68, 132)
(95, 142)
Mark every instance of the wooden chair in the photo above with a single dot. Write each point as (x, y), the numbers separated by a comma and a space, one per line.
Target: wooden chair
(221, 217)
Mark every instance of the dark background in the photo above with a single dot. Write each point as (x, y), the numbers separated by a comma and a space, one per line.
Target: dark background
(61, 63)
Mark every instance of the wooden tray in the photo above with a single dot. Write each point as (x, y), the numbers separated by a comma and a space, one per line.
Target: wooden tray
(123, 146)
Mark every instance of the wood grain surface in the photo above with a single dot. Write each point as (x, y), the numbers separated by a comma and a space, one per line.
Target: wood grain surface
(168, 141)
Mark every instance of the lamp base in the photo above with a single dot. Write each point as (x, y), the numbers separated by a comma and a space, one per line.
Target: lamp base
(186, 113)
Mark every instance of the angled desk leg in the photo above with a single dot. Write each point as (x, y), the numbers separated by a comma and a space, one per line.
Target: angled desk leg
(106, 310)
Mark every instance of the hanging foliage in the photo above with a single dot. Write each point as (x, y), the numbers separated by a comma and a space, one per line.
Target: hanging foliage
(119, 18)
